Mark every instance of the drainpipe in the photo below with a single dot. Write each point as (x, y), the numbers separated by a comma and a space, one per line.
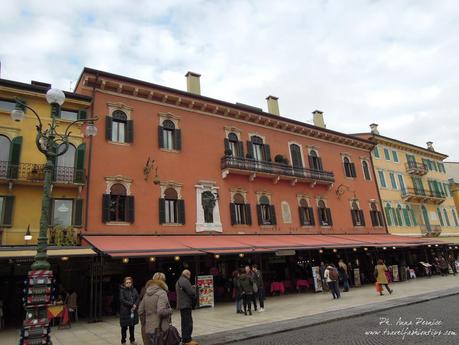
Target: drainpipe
(88, 180)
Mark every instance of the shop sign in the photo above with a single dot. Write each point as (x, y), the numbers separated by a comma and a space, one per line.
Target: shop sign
(317, 280)
(285, 252)
(205, 285)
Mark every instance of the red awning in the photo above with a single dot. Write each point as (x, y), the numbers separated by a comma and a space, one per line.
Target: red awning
(383, 240)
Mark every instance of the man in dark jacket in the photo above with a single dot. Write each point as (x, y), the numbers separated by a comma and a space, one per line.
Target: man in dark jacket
(129, 300)
(245, 285)
(186, 293)
(258, 280)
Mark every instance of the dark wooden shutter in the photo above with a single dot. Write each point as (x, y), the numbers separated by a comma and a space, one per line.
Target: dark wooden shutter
(319, 214)
(362, 217)
(240, 149)
(162, 211)
(329, 217)
(55, 110)
(51, 212)
(106, 208)
(79, 163)
(177, 139)
(260, 220)
(160, 137)
(319, 163)
(233, 213)
(373, 217)
(130, 131)
(381, 221)
(354, 220)
(8, 211)
(273, 214)
(77, 213)
(267, 153)
(311, 216)
(82, 114)
(296, 157)
(15, 155)
(311, 162)
(302, 217)
(248, 214)
(227, 146)
(353, 172)
(250, 148)
(108, 127)
(181, 211)
(130, 209)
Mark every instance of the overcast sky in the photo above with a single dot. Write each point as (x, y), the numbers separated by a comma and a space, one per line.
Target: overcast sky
(394, 62)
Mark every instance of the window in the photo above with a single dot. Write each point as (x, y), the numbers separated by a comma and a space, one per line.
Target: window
(349, 168)
(7, 105)
(10, 152)
(411, 161)
(418, 185)
(389, 215)
(266, 212)
(71, 115)
(406, 216)
(325, 218)
(257, 150)
(411, 215)
(382, 180)
(376, 152)
(169, 136)
(295, 152)
(387, 154)
(6, 210)
(445, 213)
(392, 180)
(366, 170)
(315, 162)
(440, 217)
(375, 215)
(456, 222)
(447, 190)
(357, 215)
(232, 143)
(395, 156)
(401, 183)
(118, 206)
(441, 167)
(398, 213)
(65, 165)
(306, 213)
(118, 128)
(240, 211)
(66, 212)
(5, 144)
(171, 209)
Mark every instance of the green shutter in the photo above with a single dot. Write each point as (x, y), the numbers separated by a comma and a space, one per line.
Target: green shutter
(79, 163)
(78, 212)
(388, 215)
(177, 139)
(233, 213)
(240, 147)
(7, 211)
(406, 217)
(267, 153)
(162, 211)
(440, 217)
(108, 127)
(181, 211)
(82, 114)
(248, 214)
(106, 208)
(130, 131)
(15, 155)
(130, 210)
(160, 137)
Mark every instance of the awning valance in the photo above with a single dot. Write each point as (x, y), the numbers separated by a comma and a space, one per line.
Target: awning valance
(15, 252)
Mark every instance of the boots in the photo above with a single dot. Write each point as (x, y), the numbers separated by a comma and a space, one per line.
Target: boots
(250, 312)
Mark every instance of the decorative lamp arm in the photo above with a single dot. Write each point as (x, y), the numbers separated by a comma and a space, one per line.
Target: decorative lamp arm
(92, 119)
(19, 101)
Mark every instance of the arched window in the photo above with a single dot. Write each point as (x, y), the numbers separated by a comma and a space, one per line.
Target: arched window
(411, 215)
(324, 214)
(389, 216)
(265, 211)
(65, 164)
(119, 126)
(5, 146)
(315, 162)
(232, 143)
(306, 213)
(260, 151)
(295, 152)
(170, 197)
(118, 203)
(349, 167)
(357, 215)
(445, 213)
(399, 215)
(375, 215)
(240, 211)
(168, 134)
(406, 216)
(366, 171)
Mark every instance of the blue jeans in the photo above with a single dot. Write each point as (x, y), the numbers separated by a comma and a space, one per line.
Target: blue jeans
(238, 304)
(334, 288)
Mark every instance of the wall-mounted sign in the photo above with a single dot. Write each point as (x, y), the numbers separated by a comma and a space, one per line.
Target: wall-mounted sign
(285, 252)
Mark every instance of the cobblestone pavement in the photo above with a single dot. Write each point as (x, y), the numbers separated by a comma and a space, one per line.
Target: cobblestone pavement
(432, 322)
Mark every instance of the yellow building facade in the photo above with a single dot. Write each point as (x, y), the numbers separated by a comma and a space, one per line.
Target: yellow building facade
(414, 188)
(452, 170)
(21, 167)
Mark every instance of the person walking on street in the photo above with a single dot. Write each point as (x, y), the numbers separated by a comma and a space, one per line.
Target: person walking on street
(155, 308)
(452, 263)
(186, 295)
(331, 276)
(249, 272)
(145, 338)
(129, 300)
(257, 277)
(381, 278)
(343, 276)
(322, 269)
(246, 288)
(236, 293)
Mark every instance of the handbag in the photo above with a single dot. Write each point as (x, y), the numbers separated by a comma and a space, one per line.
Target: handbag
(170, 336)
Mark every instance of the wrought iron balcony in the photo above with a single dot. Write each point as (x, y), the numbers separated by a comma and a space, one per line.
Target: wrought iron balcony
(430, 230)
(30, 173)
(415, 168)
(277, 171)
(420, 195)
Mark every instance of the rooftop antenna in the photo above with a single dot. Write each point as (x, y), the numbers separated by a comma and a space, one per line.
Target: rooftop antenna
(70, 85)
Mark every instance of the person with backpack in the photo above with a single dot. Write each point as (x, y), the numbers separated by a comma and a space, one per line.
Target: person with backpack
(331, 276)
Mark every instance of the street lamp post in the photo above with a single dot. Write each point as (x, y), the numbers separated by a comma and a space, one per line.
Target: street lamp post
(38, 285)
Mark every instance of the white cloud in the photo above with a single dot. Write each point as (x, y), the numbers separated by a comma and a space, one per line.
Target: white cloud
(360, 61)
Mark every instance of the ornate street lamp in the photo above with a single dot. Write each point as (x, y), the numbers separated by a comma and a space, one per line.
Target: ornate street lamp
(38, 286)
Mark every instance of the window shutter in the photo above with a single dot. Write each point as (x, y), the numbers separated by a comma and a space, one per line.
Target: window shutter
(273, 214)
(77, 213)
(406, 217)
(311, 215)
(387, 211)
(353, 172)
(162, 211)
(373, 217)
(227, 146)
(160, 137)
(79, 163)
(329, 217)
(233, 213)
(319, 213)
(50, 212)
(105, 208)
(319, 161)
(240, 147)
(311, 162)
(362, 217)
(354, 220)
(181, 211)
(130, 211)
(55, 110)
(15, 154)
(260, 220)
(248, 215)
(8, 211)
(380, 218)
(130, 131)
(108, 127)
(301, 211)
(250, 148)
(177, 139)
(82, 114)
(267, 153)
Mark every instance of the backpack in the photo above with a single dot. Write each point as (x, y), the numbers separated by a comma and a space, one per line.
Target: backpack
(333, 274)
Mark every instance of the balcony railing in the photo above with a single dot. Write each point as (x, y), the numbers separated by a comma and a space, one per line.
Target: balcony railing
(275, 169)
(34, 173)
(423, 195)
(60, 236)
(416, 168)
(430, 230)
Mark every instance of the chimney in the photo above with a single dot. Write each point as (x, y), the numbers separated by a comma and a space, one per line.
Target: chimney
(430, 146)
(318, 118)
(273, 105)
(193, 84)
(374, 128)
